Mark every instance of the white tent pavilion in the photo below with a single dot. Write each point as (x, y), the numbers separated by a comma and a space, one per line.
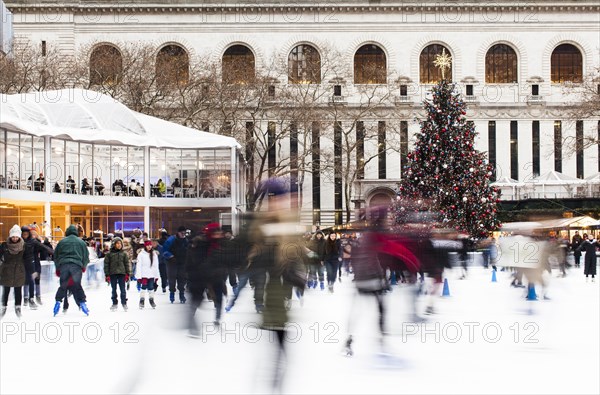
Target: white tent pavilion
(84, 115)
(593, 182)
(557, 179)
(506, 183)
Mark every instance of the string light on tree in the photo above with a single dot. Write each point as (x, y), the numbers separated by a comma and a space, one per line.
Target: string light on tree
(445, 170)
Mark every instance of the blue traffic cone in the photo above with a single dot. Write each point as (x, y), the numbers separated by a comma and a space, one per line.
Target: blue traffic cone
(393, 279)
(446, 291)
(531, 295)
(494, 276)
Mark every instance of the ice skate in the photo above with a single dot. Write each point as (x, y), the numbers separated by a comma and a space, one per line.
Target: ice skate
(142, 303)
(113, 307)
(152, 304)
(18, 311)
(57, 307)
(348, 347)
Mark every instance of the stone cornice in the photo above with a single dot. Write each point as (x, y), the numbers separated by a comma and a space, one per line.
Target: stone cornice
(381, 6)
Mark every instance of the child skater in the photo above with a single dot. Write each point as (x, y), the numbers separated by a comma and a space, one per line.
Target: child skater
(146, 272)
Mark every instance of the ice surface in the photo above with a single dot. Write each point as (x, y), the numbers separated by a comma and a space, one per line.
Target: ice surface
(546, 346)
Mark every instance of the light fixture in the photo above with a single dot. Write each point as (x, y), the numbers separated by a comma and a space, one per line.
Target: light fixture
(197, 210)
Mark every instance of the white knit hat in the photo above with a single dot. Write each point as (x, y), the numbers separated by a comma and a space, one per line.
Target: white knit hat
(15, 231)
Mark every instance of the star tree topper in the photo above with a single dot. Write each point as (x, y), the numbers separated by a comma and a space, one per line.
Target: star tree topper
(443, 62)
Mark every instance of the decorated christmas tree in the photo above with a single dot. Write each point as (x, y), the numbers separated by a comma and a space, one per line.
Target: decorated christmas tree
(445, 174)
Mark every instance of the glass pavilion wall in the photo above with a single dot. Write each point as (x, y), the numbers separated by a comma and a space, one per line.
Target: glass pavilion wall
(44, 179)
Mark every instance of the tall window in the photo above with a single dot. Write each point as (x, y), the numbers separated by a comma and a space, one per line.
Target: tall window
(316, 171)
(250, 150)
(579, 148)
(238, 65)
(304, 65)
(566, 64)
(558, 146)
(492, 147)
(172, 66)
(272, 153)
(535, 147)
(403, 145)
(360, 150)
(501, 65)
(370, 65)
(381, 150)
(106, 65)
(294, 162)
(514, 150)
(337, 173)
(428, 71)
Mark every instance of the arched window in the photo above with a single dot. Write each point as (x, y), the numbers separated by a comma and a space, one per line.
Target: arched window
(370, 65)
(304, 65)
(430, 73)
(172, 66)
(566, 64)
(106, 65)
(238, 64)
(501, 65)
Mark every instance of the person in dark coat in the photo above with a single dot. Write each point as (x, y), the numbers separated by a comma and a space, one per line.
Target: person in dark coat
(42, 250)
(33, 267)
(332, 258)
(174, 251)
(71, 258)
(575, 243)
(589, 246)
(117, 269)
(206, 267)
(12, 269)
(316, 253)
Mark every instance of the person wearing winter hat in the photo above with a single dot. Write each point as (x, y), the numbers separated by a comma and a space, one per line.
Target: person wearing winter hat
(117, 269)
(174, 251)
(12, 270)
(71, 258)
(147, 272)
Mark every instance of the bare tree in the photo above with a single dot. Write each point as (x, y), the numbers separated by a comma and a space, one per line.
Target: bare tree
(585, 104)
(29, 68)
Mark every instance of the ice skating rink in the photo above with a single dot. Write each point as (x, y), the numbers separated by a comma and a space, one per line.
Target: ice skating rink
(484, 338)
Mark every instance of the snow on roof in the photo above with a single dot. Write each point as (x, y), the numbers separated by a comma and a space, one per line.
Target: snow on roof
(84, 115)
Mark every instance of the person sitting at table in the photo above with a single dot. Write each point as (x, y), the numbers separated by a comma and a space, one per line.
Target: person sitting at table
(70, 185)
(99, 186)
(161, 188)
(176, 184)
(57, 188)
(85, 186)
(133, 188)
(38, 185)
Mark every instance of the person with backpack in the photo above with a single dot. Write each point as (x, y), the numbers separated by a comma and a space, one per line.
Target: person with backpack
(71, 258)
